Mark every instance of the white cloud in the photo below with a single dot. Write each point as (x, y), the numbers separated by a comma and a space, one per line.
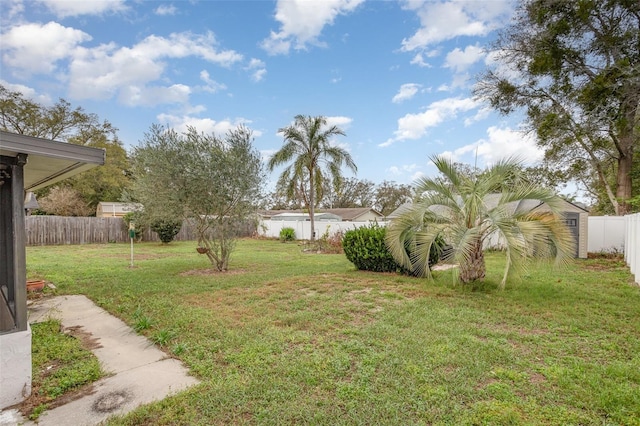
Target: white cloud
(211, 85)
(35, 48)
(302, 22)
(266, 155)
(442, 21)
(481, 115)
(406, 92)
(419, 61)
(154, 95)
(27, 92)
(342, 122)
(206, 125)
(11, 9)
(406, 168)
(257, 68)
(461, 60)
(65, 8)
(499, 144)
(106, 70)
(414, 126)
(165, 10)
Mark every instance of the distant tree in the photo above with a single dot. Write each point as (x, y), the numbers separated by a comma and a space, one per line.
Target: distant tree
(278, 199)
(466, 210)
(313, 160)
(64, 201)
(390, 195)
(574, 68)
(350, 192)
(213, 181)
(107, 182)
(64, 123)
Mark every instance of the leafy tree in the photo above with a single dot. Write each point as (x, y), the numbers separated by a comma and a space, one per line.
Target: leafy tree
(279, 200)
(574, 67)
(213, 181)
(390, 195)
(64, 201)
(63, 123)
(314, 160)
(109, 181)
(467, 210)
(350, 192)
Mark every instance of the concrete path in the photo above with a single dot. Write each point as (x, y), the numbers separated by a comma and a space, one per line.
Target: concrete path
(141, 372)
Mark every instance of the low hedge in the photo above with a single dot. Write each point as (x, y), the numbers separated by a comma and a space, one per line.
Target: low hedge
(365, 247)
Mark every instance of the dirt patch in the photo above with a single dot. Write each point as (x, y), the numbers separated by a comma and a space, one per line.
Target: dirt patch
(443, 267)
(86, 339)
(537, 378)
(211, 271)
(29, 405)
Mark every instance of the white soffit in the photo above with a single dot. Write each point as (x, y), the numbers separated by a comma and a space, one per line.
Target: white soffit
(49, 161)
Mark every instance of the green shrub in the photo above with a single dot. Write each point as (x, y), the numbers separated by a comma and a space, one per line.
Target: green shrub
(138, 220)
(287, 234)
(166, 229)
(366, 249)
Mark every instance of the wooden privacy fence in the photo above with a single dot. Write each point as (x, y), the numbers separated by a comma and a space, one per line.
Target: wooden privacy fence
(58, 230)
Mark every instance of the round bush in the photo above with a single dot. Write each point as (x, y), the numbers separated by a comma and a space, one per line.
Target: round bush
(366, 249)
(166, 229)
(287, 234)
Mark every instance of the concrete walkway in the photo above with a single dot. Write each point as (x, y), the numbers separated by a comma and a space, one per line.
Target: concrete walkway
(141, 373)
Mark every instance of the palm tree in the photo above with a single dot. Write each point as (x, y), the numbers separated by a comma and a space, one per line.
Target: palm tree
(306, 143)
(468, 209)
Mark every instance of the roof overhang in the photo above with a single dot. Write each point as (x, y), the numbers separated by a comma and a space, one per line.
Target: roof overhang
(49, 161)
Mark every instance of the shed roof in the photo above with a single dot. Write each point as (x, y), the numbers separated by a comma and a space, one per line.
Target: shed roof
(492, 200)
(117, 207)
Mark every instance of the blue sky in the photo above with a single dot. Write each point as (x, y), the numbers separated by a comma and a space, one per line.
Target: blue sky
(395, 75)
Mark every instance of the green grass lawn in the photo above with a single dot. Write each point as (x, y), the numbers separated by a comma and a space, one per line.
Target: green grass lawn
(292, 338)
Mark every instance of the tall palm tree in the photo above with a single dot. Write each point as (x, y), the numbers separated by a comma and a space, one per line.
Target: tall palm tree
(306, 143)
(468, 209)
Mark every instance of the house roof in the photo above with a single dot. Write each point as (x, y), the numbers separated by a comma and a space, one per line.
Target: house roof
(492, 200)
(323, 216)
(352, 213)
(346, 214)
(49, 161)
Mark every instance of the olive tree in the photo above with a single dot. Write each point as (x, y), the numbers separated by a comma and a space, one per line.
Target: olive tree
(215, 182)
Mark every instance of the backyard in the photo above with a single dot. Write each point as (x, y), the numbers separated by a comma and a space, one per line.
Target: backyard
(286, 337)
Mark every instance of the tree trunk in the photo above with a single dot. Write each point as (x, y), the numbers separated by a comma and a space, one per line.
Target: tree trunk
(629, 137)
(312, 202)
(623, 181)
(474, 268)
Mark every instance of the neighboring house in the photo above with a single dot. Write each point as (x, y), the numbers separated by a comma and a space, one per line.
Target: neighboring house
(576, 218)
(113, 209)
(356, 214)
(318, 217)
(26, 164)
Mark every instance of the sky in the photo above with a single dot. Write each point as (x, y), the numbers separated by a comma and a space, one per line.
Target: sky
(396, 76)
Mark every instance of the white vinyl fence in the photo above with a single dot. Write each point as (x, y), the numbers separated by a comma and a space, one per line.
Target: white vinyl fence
(271, 228)
(606, 234)
(632, 244)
